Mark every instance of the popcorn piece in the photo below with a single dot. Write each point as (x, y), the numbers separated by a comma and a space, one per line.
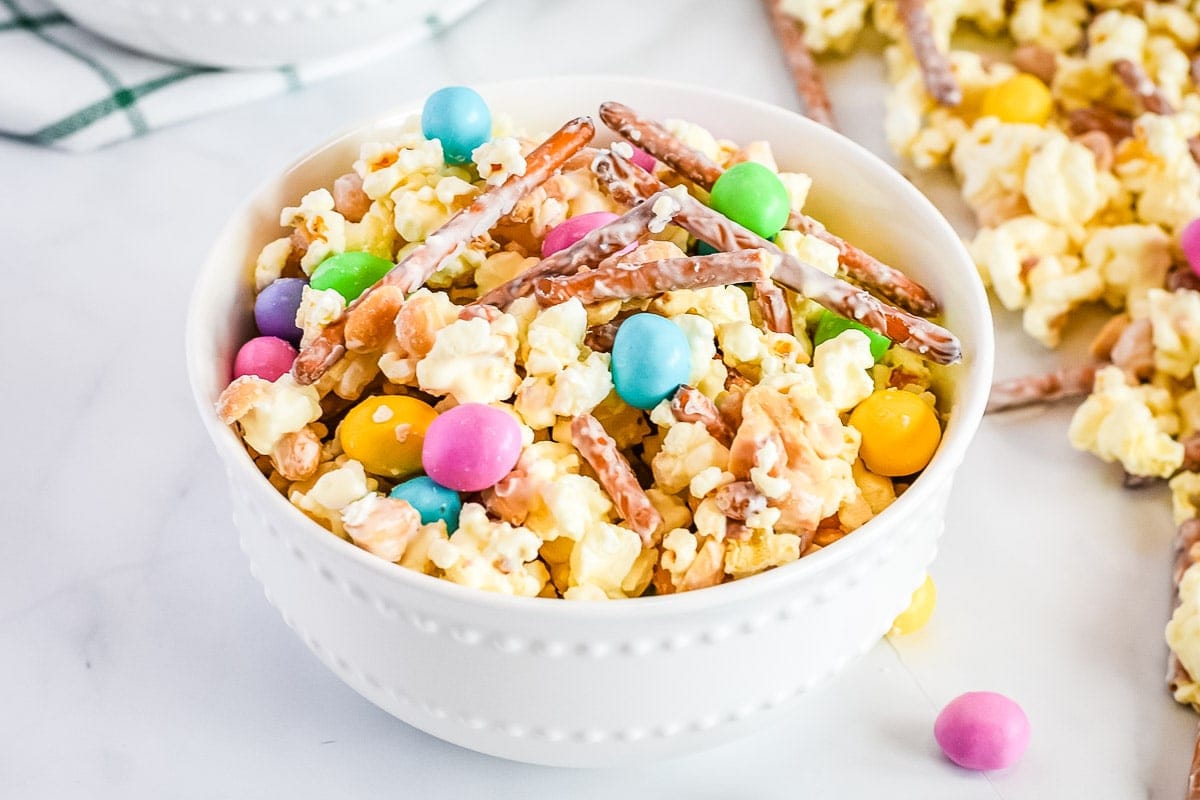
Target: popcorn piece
(1057, 285)
(473, 360)
(603, 558)
(708, 373)
(718, 305)
(387, 166)
(268, 411)
(1129, 424)
(498, 159)
(422, 316)
(809, 248)
(499, 268)
(559, 383)
(1063, 185)
(546, 493)
(829, 25)
(1157, 166)
(1113, 36)
(554, 338)
(1054, 24)
(1185, 496)
(763, 550)
(271, 262)
(840, 366)
(1001, 252)
(324, 228)
(991, 161)
(318, 308)
(1175, 317)
(490, 555)
(381, 525)
(332, 492)
(687, 450)
(798, 185)
(1132, 260)
(1183, 632)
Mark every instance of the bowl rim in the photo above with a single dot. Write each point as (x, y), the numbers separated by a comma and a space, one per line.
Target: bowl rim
(972, 388)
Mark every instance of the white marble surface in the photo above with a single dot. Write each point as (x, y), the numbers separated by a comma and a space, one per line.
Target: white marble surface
(140, 659)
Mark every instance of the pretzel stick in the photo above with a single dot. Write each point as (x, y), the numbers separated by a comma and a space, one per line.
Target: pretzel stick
(1138, 82)
(655, 277)
(1030, 390)
(698, 168)
(615, 475)
(691, 405)
(451, 239)
(1100, 118)
(593, 248)
(935, 67)
(789, 32)
(912, 333)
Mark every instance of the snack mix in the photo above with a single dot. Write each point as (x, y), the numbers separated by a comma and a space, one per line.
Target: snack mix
(1077, 151)
(538, 367)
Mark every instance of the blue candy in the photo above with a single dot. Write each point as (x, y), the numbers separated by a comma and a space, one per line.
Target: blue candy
(650, 359)
(459, 118)
(431, 500)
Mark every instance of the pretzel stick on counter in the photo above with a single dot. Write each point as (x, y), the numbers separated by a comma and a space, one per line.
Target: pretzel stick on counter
(691, 405)
(1030, 390)
(789, 32)
(615, 475)
(910, 332)
(652, 137)
(593, 248)
(935, 67)
(652, 278)
(452, 238)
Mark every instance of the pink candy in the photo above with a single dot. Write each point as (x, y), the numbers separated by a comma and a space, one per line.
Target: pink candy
(268, 357)
(643, 159)
(982, 730)
(574, 229)
(1189, 240)
(471, 447)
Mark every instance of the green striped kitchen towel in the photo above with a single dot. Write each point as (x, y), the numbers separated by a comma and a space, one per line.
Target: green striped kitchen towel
(70, 89)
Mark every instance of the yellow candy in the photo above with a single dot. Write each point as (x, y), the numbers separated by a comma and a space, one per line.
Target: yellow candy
(385, 434)
(899, 431)
(919, 610)
(1021, 98)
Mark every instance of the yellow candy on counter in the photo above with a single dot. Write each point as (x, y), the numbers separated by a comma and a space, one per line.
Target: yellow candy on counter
(1021, 98)
(919, 610)
(899, 431)
(385, 434)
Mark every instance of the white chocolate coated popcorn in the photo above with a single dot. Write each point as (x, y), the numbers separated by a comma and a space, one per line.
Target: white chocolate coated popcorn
(1128, 424)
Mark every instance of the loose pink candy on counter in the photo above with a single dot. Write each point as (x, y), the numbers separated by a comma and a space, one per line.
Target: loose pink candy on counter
(982, 730)
(574, 229)
(471, 447)
(1189, 240)
(268, 357)
(643, 159)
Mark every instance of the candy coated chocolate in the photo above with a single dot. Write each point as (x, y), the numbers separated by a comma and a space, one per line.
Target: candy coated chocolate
(275, 309)
(268, 357)
(431, 500)
(471, 447)
(650, 360)
(458, 118)
(982, 731)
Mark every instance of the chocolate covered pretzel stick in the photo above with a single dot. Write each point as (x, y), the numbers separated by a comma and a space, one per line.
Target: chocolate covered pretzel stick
(1100, 118)
(789, 32)
(912, 333)
(690, 405)
(1138, 82)
(935, 67)
(1029, 390)
(652, 137)
(615, 475)
(593, 248)
(655, 277)
(451, 239)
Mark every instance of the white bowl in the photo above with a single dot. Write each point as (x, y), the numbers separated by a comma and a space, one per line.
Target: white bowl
(589, 684)
(262, 33)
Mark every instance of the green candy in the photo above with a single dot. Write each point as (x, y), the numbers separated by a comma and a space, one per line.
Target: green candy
(350, 274)
(831, 325)
(752, 196)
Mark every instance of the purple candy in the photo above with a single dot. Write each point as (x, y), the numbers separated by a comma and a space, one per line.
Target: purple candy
(268, 357)
(982, 731)
(471, 447)
(643, 159)
(1189, 241)
(275, 309)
